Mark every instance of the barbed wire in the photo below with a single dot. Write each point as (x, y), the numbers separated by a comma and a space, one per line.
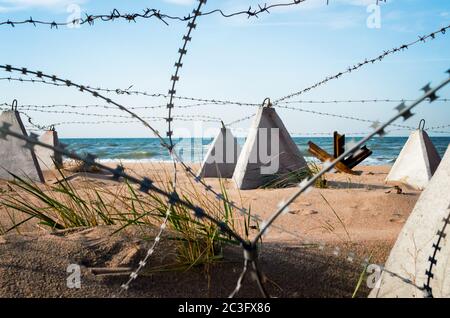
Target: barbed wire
(33, 106)
(128, 92)
(441, 234)
(178, 65)
(205, 118)
(146, 185)
(421, 39)
(202, 118)
(349, 258)
(379, 129)
(207, 187)
(248, 259)
(205, 101)
(338, 116)
(90, 19)
(90, 159)
(59, 82)
(347, 117)
(237, 121)
(360, 101)
(148, 13)
(329, 133)
(170, 146)
(36, 127)
(214, 102)
(359, 133)
(68, 83)
(400, 127)
(438, 127)
(83, 89)
(403, 111)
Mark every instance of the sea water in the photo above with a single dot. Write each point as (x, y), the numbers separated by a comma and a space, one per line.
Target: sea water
(385, 150)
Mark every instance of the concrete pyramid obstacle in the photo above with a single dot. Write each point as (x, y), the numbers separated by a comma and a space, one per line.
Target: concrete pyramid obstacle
(416, 163)
(48, 159)
(222, 156)
(268, 152)
(419, 263)
(14, 157)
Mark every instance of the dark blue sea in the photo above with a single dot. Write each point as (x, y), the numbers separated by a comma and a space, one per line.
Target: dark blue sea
(385, 150)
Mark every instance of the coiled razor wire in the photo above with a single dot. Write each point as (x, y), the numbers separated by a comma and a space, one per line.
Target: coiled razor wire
(404, 112)
(170, 147)
(421, 39)
(219, 197)
(379, 129)
(441, 234)
(147, 185)
(90, 159)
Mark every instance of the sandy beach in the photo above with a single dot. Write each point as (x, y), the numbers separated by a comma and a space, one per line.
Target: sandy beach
(337, 230)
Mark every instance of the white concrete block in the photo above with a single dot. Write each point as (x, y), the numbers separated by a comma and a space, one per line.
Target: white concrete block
(268, 152)
(13, 156)
(47, 157)
(221, 158)
(416, 163)
(423, 241)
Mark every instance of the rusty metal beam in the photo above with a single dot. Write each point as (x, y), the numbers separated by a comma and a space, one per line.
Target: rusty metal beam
(324, 156)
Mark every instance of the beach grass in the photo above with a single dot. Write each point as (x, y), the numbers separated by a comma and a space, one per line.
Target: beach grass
(64, 205)
(293, 178)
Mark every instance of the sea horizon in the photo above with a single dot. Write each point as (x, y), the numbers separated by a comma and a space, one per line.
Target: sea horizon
(192, 150)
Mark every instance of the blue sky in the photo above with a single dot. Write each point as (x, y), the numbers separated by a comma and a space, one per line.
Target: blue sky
(235, 59)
